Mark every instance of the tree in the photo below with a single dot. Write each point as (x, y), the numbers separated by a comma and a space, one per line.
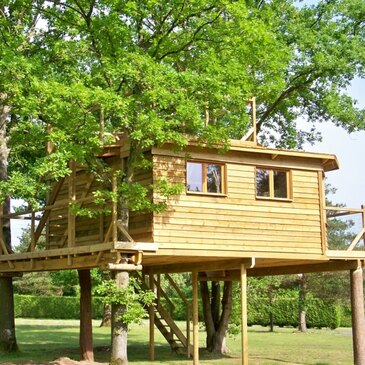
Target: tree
(162, 70)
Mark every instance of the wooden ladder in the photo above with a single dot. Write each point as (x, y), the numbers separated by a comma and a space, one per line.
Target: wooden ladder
(178, 341)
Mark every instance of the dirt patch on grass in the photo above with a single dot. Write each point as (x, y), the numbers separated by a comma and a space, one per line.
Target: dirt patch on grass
(60, 361)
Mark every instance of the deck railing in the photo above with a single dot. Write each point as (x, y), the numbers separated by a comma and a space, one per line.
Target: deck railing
(358, 242)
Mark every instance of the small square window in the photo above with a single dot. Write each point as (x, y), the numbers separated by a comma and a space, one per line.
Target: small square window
(273, 184)
(205, 177)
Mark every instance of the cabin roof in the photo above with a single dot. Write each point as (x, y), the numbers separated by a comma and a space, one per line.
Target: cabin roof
(329, 162)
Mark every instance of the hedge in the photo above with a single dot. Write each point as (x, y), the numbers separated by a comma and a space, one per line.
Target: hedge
(285, 310)
(28, 306)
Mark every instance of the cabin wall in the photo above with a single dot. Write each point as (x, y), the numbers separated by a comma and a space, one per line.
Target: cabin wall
(93, 230)
(239, 221)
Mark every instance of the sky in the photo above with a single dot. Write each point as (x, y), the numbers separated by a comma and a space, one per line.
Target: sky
(349, 180)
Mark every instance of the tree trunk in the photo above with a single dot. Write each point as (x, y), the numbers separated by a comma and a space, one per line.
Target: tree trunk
(119, 328)
(107, 316)
(86, 331)
(216, 320)
(303, 285)
(7, 322)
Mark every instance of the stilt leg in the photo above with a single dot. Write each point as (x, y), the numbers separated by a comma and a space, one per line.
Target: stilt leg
(195, 320)
(151, 312)
(358, 320)
(244, 315)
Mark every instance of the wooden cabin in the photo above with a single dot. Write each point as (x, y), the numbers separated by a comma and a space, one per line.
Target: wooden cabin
(251, 202)
(250, 210)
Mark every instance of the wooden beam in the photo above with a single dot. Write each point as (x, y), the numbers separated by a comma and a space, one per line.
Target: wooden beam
(195, 319)
(136, 246)
(356, 240)
(57, 252)
(51, 264)
(297, 269)
(46, 213)
(124, 231)
(124, 267)
(204, 266)
(244, 344)
(345, 255)
(234, 275)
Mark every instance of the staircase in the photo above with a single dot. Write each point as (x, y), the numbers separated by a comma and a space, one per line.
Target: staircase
(163, 317)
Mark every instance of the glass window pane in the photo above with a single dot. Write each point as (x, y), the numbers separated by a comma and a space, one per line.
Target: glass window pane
(262, 182)
(280, 184)
(214, 178)
(194, 179)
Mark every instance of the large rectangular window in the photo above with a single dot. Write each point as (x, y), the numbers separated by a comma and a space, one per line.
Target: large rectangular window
(273, 183)
(205, 177)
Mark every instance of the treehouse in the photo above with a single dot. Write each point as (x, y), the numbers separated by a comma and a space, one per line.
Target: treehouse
(251, 210)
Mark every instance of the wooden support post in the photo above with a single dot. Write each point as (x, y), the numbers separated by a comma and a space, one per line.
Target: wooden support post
(86, 332)
(72, 198)
(253, 106)
(322, 207)
(244, 315)
(188, 349)
(358, 320)
(151, 313)
(195, 320)
(32, 233)
(114, 212)
(363, 222)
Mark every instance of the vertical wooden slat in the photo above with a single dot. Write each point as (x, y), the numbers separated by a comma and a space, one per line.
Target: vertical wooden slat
(244, 315)
(195, 320)
(114, 211)
(101, 228)
(32, 233)
(71, 198)
(271, 183)
(151, 313)
(253, 106)
(1, 230)
(323, 217)
(363, 222)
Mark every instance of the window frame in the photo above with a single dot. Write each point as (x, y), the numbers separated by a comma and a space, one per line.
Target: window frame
(204, 178)
(289, 183)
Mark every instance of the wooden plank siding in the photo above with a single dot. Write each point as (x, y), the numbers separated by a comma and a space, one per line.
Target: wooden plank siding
(89, 231)
(239, 221)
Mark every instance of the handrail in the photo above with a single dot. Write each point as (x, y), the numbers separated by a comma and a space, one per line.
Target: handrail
(47, 207)
(188, 310)
(344, 211)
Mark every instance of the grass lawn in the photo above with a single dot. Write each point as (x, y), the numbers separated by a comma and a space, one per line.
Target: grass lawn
(47, 340)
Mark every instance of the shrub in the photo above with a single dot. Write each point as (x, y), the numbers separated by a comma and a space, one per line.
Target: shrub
(285, 311)
(28, 306)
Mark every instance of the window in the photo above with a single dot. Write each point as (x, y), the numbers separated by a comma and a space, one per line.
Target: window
(203, 177)
(273, 184)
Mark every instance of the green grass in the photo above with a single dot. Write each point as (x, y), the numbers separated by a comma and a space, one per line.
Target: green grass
(47, 340)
